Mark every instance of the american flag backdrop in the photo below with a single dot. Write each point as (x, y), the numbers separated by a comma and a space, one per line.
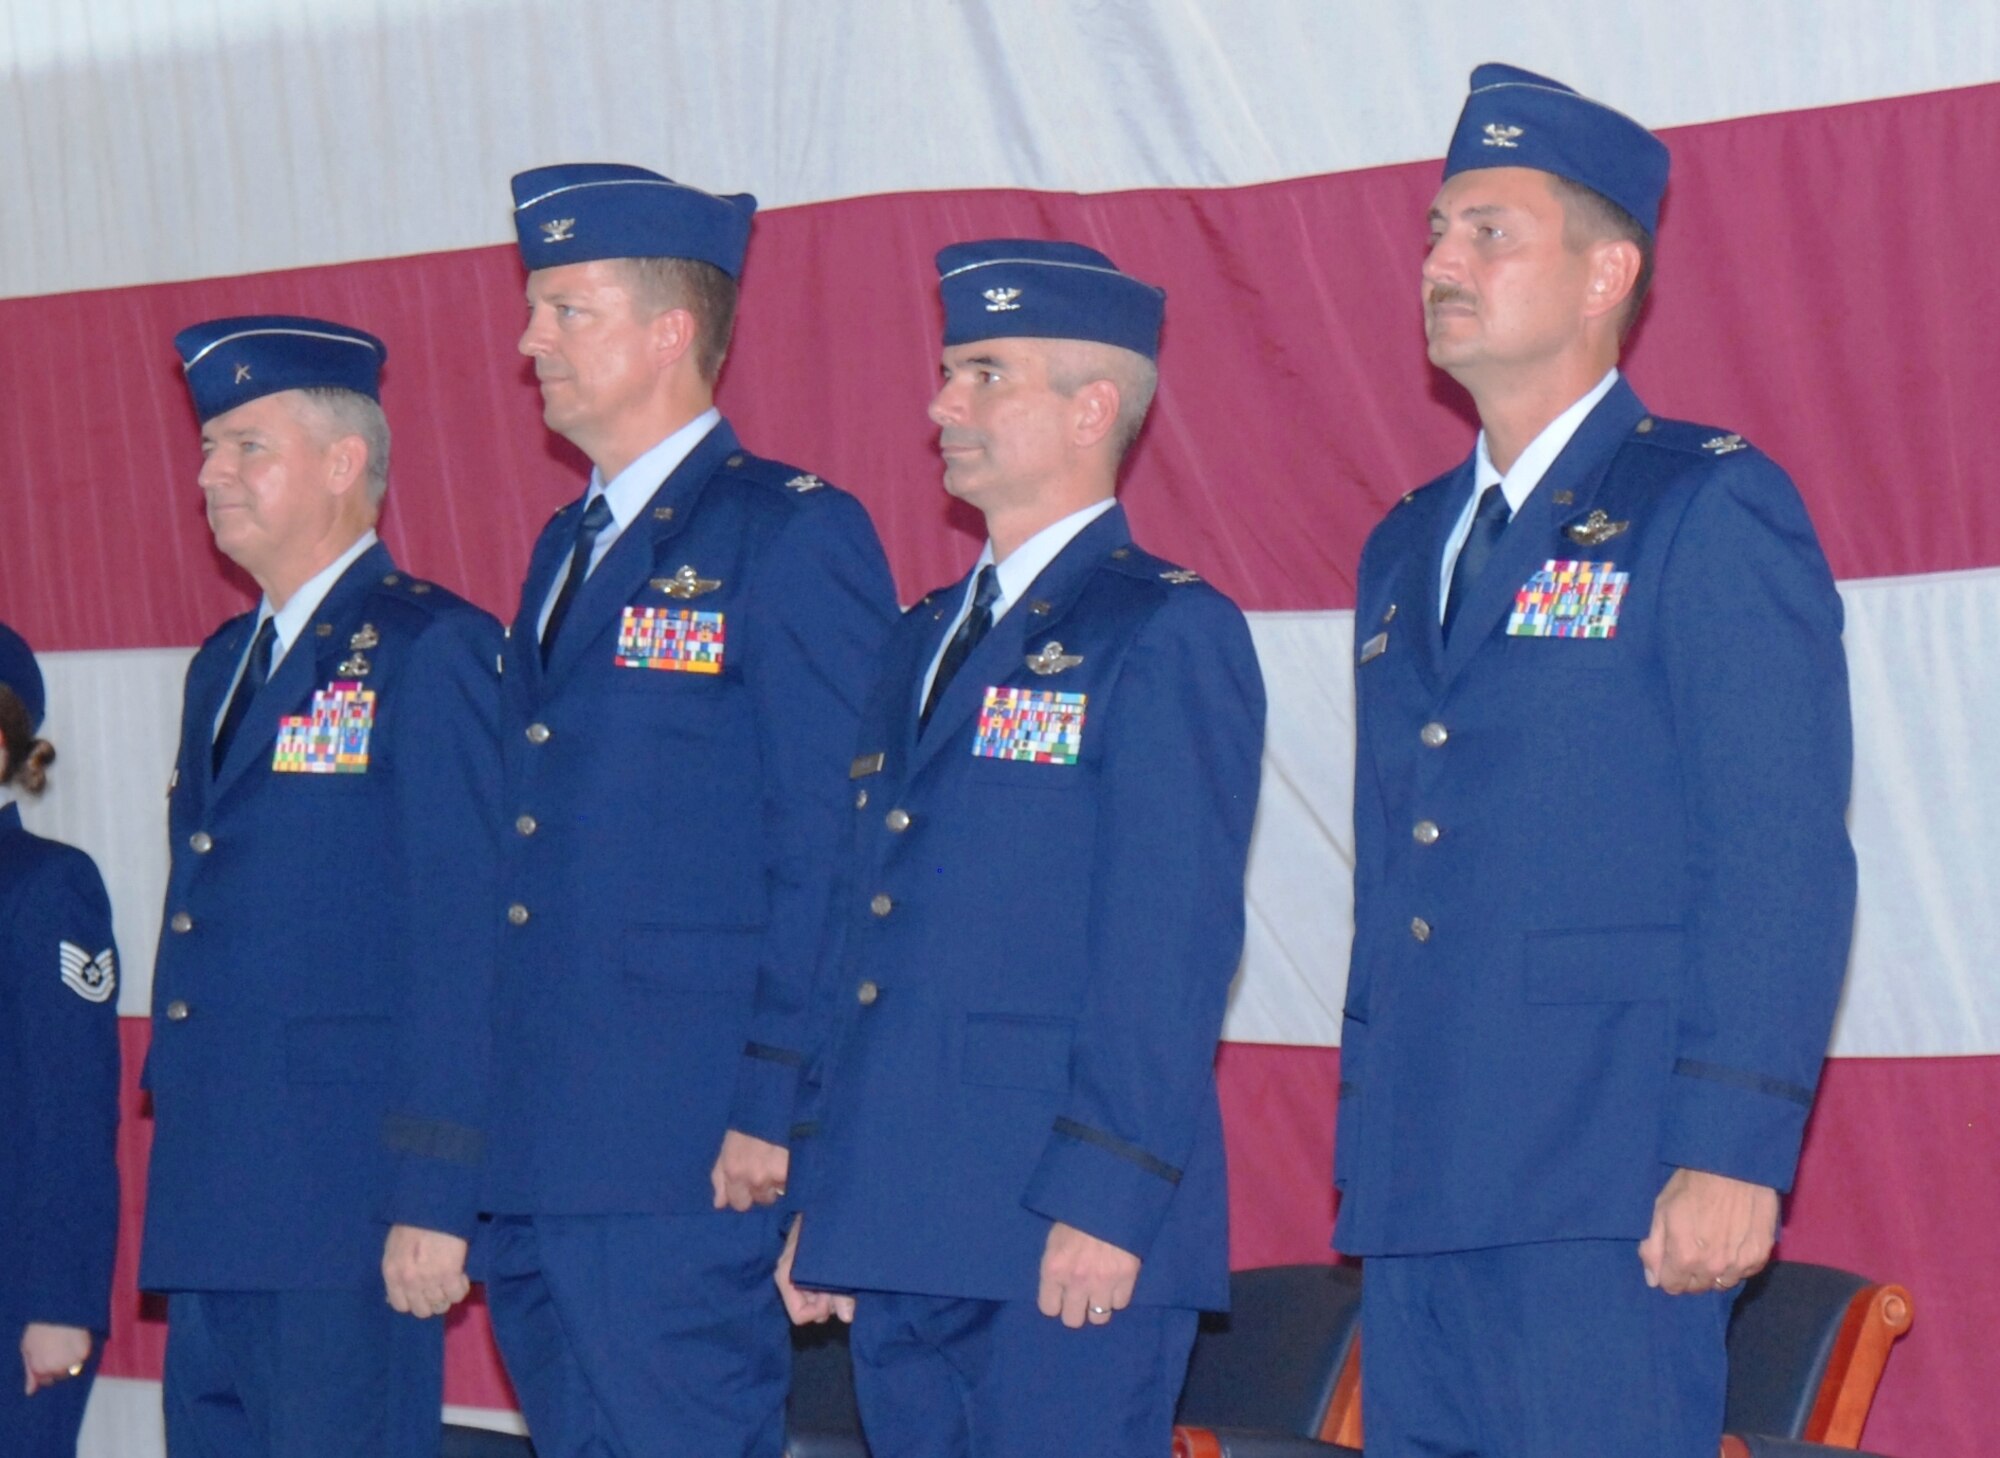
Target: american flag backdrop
(1826, 287)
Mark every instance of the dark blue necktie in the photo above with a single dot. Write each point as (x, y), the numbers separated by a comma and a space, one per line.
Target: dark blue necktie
(1487, 523)
(255, 673)
(596, 517)
(975, 626)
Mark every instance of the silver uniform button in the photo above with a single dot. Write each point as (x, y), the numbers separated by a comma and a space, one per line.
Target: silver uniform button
(538, 734)
(1433, 734)
(1426, 832)
(866, 994)
(881, 905)
(182, 922)
(526, 824)
(202, 842)
(177, 1011)
(517, 914)
(897, 820)
(1420, 929)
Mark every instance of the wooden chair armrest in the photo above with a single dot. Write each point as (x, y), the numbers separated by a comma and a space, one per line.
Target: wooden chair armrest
(1876, 1319)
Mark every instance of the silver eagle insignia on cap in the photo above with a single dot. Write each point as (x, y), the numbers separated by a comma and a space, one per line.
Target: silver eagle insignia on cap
(1000, 301)
(558, 230)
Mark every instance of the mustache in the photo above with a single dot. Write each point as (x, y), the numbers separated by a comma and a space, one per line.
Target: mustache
(1447, 293)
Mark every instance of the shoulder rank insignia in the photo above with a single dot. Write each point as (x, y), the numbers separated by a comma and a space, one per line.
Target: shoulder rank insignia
(365, 639)
(1180, 577)
(558, 230)
(803, 482)
(1001, 301)
(1052, 659)
(686, 583)
(1594, 530)
(1723, 445)
(93, 979)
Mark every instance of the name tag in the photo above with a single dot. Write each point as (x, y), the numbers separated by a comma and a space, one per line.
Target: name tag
(333, 738)
(680, 640)
(1569, 600)
(1031, 725)
(1375, 647)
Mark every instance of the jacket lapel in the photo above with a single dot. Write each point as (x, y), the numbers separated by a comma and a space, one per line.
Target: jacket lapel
(1045, 603)
(1533, 536)
(308, 664)
(617, 579)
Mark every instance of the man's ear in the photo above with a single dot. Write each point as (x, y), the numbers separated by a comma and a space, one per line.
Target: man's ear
(1614, 273)
(673, 335)
(1096, 412)
(347, 465)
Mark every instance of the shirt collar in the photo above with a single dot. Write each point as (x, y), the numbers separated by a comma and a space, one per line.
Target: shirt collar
(1542, 451)
(1025, 563)
(299, 608)
(633, 487)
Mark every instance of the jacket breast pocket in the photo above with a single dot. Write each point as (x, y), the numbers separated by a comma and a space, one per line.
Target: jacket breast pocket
(1602, 964)
(1009, 1050)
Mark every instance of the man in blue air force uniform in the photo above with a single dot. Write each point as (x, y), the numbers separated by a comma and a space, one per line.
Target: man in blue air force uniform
(1014, 1153)
(318, 1033)
(1603, 889)
(683, 679)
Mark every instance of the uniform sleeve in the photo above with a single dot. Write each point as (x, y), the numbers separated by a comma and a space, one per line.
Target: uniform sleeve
(447, 768)
(1759, 694)
(1177, 798)
(1370, 826)
(66, 964)
(824, 603)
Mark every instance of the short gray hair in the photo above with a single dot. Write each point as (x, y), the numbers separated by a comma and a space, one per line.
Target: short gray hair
(1074, 363)
(348, 412)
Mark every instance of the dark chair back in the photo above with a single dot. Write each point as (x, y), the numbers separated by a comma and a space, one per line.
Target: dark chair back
(821, 1417)
(1273, 1361)
(1807, 1345)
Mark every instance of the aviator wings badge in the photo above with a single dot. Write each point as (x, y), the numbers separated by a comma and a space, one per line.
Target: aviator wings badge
(686, 583)
(1594, 530)
(1052, 659)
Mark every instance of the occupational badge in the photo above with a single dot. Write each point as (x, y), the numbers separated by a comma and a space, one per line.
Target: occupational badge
(1052, 659)
(365, 639)
(1569, 600)
(1594, 530)
(93, 979)
(685, 584)
(333, 738)
(680, 640)
(1031, 725)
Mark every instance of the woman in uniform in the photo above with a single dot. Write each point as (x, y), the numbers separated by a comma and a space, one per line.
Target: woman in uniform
(58, 1095)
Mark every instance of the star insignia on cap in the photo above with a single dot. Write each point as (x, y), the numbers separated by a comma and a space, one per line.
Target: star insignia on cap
(805, 481)
(558, 230)
(1501, 136)
(242, 373)
(1180, 577)
(1001, 301)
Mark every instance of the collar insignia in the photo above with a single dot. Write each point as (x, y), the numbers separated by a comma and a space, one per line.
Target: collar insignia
(558, 230)
(1594, 530)
(686, 583)
(1052, 659)
(1499, 136)
(1001, 301)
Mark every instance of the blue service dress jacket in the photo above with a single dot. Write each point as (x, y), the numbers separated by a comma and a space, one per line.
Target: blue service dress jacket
(319, 1027)
(58, 1086)
(1603, 887)
(1039, 917)
(675, 787)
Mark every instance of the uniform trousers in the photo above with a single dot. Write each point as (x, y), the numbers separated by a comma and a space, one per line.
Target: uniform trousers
(643, 1336)
(1551, 1350)
(45, 1425)
(301, 1374)
(941, 1377)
